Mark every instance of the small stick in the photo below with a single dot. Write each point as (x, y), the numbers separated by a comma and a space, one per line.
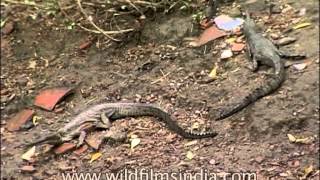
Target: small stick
(164, 76)
(106, 33)
(25, 3)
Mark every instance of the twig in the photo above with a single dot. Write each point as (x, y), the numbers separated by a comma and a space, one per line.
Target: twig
(98, 29)
(134, 6)
(164, 76)
(25, 3)
(63, 10)
(106, 32)
(147, 3)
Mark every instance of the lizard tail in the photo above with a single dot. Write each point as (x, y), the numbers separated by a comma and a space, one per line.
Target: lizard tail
(51, 139)
(173, 126)
(267, 88)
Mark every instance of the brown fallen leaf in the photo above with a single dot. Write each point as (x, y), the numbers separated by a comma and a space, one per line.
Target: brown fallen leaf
(81, 150)
(64, 148)
(95, 139)
(85, 45)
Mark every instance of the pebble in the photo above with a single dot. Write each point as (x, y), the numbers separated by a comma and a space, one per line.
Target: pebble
(8, 28)
(226, 54)
(274, 36)
(28, 169)
(259, 159)
(285, 41)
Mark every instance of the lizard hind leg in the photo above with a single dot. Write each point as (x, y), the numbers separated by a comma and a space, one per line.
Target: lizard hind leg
(82, 136)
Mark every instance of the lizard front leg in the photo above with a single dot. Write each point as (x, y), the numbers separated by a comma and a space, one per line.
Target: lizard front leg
(253, 66)
(105, 122)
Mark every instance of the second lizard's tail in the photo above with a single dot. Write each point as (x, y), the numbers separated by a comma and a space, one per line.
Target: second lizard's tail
(263, 90)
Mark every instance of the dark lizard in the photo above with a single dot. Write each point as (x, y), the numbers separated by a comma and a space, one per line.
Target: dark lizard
(101, 116)
(263, 51)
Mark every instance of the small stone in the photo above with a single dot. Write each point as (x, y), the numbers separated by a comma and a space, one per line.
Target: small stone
(226, 54)
(285, 41)
(156, 52)
(235, 12)
(50, 172)
(8, 28)
(302, 12)
(4, 92)
(283, 174)
(259, 159)
(59, 110)
(275, 9)
(274, 36)
(22, 81)
(29, 169)
(212, 161)
(294, 164)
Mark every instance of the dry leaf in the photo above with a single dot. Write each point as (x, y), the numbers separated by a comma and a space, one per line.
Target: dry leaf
(213, 73)
(307, 171)
(226, 54)
(32, 64)
(191, 143)
(190, 155)
(95, 156)
(35, 120)
(29, 154)
(302, 25)
(231, 40)
(195, 125)
(135, 142)
(304, 140)
(291, 138)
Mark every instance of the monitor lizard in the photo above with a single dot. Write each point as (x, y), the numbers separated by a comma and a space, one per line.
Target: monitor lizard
(101, 116)
(259, 50)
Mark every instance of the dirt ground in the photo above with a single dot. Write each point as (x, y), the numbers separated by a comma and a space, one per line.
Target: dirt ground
(157, 66)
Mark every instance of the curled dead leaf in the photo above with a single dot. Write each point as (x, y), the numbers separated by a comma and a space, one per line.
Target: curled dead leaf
(134, 142)
(95, 156)
(291, 138)
(29, 154)
(190, 155)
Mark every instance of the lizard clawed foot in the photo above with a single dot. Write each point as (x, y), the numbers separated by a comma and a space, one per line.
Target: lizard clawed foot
(105, 121)
(82, 136)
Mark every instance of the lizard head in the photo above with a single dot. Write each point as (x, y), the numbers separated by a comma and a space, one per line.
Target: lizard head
(248, 24)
